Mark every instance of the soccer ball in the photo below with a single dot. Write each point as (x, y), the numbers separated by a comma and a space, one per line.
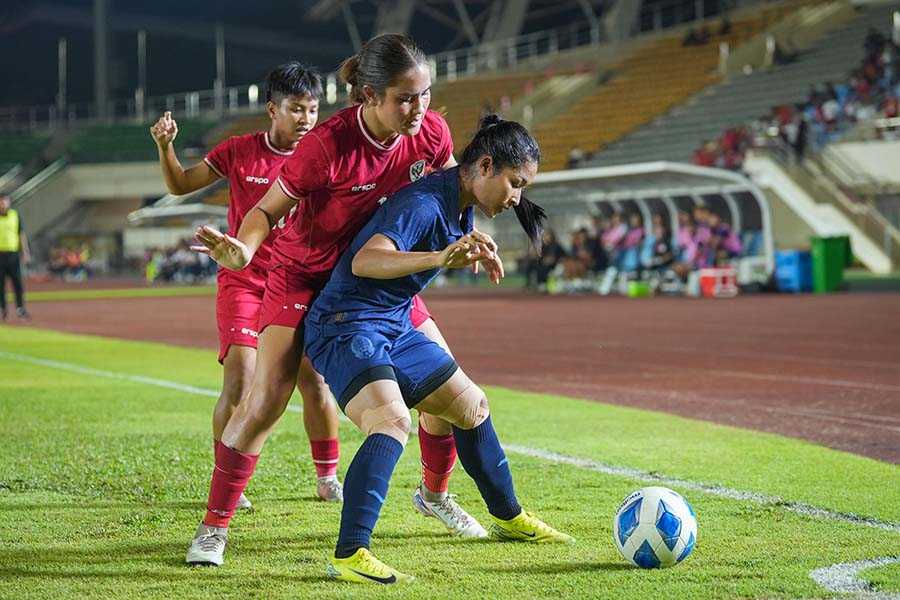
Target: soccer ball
(655, 527)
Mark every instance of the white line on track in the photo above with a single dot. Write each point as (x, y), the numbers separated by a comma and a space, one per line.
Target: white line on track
(842, 578)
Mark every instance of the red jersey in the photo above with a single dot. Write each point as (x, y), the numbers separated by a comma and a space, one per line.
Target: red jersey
(251, 164)
(339, 174)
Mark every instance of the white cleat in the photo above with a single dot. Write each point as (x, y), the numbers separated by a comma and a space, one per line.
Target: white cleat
(244, 504)
(208, 546)
(457, 521)
(330, 489)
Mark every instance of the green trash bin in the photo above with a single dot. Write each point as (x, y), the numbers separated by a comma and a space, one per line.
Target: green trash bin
(829, 257)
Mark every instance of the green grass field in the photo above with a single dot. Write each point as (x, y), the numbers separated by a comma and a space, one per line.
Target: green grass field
(104, 479)
(99, 293)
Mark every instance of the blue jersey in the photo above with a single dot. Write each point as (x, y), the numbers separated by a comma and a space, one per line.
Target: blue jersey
(422, 217)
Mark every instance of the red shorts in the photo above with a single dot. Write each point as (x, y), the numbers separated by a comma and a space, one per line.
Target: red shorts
(287, 298)
(238, 300)
(419, 312)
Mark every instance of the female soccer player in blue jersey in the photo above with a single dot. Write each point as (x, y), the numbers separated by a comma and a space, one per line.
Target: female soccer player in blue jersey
(358, 335)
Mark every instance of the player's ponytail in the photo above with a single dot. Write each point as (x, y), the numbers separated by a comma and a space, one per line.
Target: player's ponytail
(379, 63)
(509, 145)
(532, 218)
(349, 74)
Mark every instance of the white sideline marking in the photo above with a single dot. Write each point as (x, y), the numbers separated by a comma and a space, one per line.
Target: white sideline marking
(841, 578)
(582, 463)
(73, 368)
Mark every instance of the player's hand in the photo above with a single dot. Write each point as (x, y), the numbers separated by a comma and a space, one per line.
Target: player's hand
(464, 252)
(164, 130)
(228, 251)
(26, 258)
(493, 267)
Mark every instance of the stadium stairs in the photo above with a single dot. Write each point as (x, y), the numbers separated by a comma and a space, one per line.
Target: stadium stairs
(805, 203)
(649, 82)
(741, 98)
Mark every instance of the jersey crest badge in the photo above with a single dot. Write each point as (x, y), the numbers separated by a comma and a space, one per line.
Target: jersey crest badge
(417, 170)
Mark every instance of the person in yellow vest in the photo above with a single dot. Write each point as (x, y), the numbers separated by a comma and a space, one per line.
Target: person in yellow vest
(13, 251)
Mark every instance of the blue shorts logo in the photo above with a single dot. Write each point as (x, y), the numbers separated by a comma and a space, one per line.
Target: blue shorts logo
(362, 347)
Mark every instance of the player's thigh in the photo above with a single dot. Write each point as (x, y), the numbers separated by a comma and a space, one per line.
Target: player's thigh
(458, 400)
(237, 371)
(278, 358)
(420, 364)
(378, 407)
(430, 329)
(310, 381)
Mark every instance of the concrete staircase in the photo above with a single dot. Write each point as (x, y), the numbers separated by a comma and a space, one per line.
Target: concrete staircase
(740, 99)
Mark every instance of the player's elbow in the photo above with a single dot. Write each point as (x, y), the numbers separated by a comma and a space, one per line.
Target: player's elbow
(360, 265)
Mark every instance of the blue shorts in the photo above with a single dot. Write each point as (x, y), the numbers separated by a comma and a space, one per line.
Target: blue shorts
(349, 360)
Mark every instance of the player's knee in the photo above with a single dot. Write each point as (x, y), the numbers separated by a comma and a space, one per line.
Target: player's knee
(469, 409)
(394, 423)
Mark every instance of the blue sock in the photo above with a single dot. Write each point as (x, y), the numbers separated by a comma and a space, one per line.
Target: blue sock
(365, 489)
(484, 460)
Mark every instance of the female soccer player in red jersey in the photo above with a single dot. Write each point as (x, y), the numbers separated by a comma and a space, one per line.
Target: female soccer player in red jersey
(250, 163)
(337, 177)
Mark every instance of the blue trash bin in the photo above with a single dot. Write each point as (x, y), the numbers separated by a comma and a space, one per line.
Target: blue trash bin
(793, 271)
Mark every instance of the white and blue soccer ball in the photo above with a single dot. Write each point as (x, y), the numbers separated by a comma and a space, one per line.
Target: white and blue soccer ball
(655, 527)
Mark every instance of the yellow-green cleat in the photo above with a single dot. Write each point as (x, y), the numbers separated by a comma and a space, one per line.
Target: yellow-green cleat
(363, 567)
(527, 528)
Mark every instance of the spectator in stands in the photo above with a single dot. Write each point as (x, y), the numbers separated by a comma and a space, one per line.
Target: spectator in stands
(583, 258)
(539, 268)
(611, 238)
(725, 27)
(575, 158)
(725, 243)
(629, 255)
(659, 254)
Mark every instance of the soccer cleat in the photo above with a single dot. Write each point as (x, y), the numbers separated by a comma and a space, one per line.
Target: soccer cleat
(527, 528)
(244, 503)
(457, 521)
(208, 546)
(363, 567)
(23, 314)
(330, 489)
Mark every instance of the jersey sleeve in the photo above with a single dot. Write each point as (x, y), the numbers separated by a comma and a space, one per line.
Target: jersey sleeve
(306, 170)
(407, 221)
(445, 145)
(221, 157)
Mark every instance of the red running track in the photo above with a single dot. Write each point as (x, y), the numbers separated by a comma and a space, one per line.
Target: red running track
(820, 368)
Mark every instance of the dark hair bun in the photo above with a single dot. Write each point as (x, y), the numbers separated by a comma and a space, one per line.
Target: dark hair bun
(349, 70)
(489, 120)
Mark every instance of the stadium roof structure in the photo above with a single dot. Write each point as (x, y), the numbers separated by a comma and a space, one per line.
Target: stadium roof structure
(668, 187)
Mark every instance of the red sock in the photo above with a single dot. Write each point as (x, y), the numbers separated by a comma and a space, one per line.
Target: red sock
(325, 454)
(230, 476)
(438, 458)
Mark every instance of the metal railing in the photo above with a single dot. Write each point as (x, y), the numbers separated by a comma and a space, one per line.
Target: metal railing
(491, 56)
(26, 189)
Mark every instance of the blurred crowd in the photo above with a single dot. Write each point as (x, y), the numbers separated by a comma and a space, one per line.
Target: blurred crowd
(70, 263)
(830, 110)
(178, 265)
(620, 248)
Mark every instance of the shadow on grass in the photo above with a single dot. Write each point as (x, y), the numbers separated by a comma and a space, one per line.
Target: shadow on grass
(563, 567)
(111, 576)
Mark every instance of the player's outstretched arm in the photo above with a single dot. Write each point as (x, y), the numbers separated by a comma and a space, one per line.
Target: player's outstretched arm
(178, 180)
(379, 258)
(229, 252)
(262, 218)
